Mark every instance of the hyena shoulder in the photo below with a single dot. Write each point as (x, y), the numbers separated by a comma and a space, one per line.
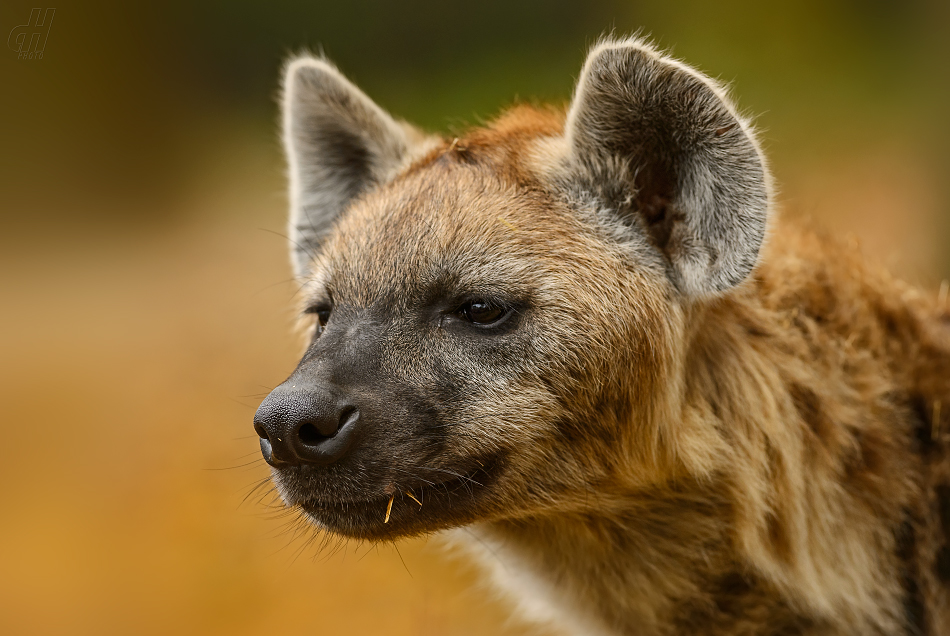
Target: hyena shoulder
(584, 335)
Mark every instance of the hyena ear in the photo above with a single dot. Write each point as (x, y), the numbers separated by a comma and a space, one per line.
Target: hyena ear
(338, 144)
(667, 150)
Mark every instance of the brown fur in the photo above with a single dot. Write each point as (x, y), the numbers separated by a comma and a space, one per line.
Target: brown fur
(814, 505)
(769, 459)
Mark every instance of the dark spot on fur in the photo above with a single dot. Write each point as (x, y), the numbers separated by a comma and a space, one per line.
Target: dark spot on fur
(914, 609)
(808, 405)
(943, 506)
(778, 537)
(819, 300)
(922, 425)
(754, 325)
(942, 564)
(734, 602)
(730, 589)
(873, 451)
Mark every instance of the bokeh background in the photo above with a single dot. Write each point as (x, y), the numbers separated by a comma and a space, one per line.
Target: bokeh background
(146, 294)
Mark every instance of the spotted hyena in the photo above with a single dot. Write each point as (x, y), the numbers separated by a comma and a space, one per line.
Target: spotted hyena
(583, 335)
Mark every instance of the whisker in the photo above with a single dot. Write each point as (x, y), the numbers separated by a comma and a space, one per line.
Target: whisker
(253, 463)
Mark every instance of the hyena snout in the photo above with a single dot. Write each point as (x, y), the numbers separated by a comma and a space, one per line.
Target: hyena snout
(308, 424)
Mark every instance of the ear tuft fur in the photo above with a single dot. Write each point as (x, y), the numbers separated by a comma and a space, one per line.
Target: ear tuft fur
(682, 164)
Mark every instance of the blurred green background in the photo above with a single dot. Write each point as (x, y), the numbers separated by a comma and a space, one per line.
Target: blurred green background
(146, 302)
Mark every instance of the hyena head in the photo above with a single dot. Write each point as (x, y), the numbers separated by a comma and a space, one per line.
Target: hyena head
(495, 318)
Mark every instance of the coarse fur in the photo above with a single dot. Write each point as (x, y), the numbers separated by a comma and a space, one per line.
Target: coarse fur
(677, 426)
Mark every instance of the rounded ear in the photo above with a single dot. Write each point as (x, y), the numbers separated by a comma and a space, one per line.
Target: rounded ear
(338, 144)
(681, 164)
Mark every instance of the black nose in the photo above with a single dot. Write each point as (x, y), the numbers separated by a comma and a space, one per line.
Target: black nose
(305, 425)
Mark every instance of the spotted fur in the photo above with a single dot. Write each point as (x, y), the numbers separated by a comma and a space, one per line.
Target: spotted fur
(681, 427)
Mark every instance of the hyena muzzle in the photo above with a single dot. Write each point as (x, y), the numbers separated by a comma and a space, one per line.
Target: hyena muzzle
(565, 332)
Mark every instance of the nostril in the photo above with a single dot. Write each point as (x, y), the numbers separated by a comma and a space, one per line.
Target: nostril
(260, 431)
(346, 415)
(309, 435)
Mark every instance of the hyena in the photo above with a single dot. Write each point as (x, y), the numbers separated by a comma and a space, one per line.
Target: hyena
(582, 335)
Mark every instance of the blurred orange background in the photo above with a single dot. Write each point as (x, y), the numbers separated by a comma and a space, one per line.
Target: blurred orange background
(146, 292)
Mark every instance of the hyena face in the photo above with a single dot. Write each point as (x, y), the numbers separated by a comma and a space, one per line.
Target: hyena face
(493, 317)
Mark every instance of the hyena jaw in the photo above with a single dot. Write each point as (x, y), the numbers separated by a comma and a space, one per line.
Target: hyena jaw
(562, 332)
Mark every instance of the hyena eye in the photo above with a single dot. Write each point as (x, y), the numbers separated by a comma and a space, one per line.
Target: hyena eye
(481, 312)
(322, 312)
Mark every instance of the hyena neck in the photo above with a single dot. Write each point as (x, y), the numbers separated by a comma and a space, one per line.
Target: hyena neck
(804, 374)
(652, 566)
